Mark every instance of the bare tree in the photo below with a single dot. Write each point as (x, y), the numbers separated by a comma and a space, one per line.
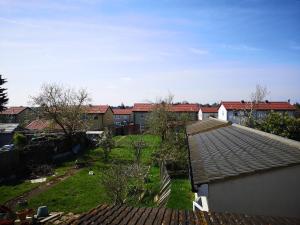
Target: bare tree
(138, 146)
(260, 94)
(63, 106)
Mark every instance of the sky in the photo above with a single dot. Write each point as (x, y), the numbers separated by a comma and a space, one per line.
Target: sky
(126, 51)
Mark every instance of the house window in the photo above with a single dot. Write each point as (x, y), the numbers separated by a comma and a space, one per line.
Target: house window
(235, 113)
(95, 117)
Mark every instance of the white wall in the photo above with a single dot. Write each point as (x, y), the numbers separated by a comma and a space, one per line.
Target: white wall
(222, 113)
(272, 193)
(200, 115)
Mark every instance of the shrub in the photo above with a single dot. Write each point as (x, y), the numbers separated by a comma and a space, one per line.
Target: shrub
(19, 140)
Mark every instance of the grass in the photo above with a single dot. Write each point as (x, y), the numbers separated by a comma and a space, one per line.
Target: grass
(82, 192)
(181, 195)
(12, 190)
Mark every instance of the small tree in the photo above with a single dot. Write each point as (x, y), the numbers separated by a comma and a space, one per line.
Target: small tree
(138, 146)
(3, 94)
(64, 106)
(281, 124)
(107, 143)
(160, 117)
(174, 151)
(259, 95)
(115, 183)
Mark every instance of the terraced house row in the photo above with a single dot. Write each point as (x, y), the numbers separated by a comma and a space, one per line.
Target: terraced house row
(100, 116)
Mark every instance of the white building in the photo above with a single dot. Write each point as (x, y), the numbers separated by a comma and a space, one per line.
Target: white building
(206, 112)
(235, 112)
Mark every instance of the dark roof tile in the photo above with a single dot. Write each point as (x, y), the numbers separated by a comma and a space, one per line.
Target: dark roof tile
(231, 151)
(126, 215)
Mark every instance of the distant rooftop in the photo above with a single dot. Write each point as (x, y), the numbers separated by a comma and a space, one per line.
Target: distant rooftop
(95, 109)
(14, 110)
(241, 105)
(126, 111)
(209, 109)
(148, 107)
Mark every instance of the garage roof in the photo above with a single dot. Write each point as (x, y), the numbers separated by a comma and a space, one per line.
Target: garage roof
(233, 150)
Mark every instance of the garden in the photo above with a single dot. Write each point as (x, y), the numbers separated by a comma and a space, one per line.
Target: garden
(101, 176)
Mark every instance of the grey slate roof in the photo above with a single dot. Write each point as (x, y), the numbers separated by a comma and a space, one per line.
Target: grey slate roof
(231, 151)
(205, 125)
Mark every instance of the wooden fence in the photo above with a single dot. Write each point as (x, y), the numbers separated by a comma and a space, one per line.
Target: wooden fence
(165, 186)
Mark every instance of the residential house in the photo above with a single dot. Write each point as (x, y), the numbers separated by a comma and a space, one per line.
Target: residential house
(236, 112)
(99, 116)
(122, 214)
(7, 131)
(141, 112)
(206, 112)
(122, 116)
(20, 114)
(237, 169)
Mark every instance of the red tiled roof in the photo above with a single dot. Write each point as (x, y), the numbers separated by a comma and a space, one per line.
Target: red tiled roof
(13, 110)
(143, 107)
(97, 109)
(209, 109)
(258, 106)
(38, 125)
(122, 111)
(147, 107)
(185, 108)
(41, 125)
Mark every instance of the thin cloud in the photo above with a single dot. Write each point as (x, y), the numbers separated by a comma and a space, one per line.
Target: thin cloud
(199, 51)
(295, 46)
(126, 79)
(241, 47)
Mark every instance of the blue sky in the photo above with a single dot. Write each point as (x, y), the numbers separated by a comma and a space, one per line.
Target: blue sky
(133, 50)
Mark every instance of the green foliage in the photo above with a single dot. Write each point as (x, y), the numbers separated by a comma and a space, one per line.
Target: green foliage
(281, 124)
(181, 195)
(115, 183)
(19, 140)
(174, 150)
(159, 120)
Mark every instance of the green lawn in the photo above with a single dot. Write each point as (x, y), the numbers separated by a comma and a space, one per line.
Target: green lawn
(82, 192)
(9, 191)
(181, 195)
(15, 189)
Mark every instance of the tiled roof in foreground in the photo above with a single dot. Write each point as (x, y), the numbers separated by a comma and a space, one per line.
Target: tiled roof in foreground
(205, 125)
(126, 215)
(234, 150)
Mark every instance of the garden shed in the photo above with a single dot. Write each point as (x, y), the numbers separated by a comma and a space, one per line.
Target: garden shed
(241, 170)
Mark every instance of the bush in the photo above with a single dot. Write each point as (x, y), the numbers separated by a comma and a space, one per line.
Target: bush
(19, 140)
